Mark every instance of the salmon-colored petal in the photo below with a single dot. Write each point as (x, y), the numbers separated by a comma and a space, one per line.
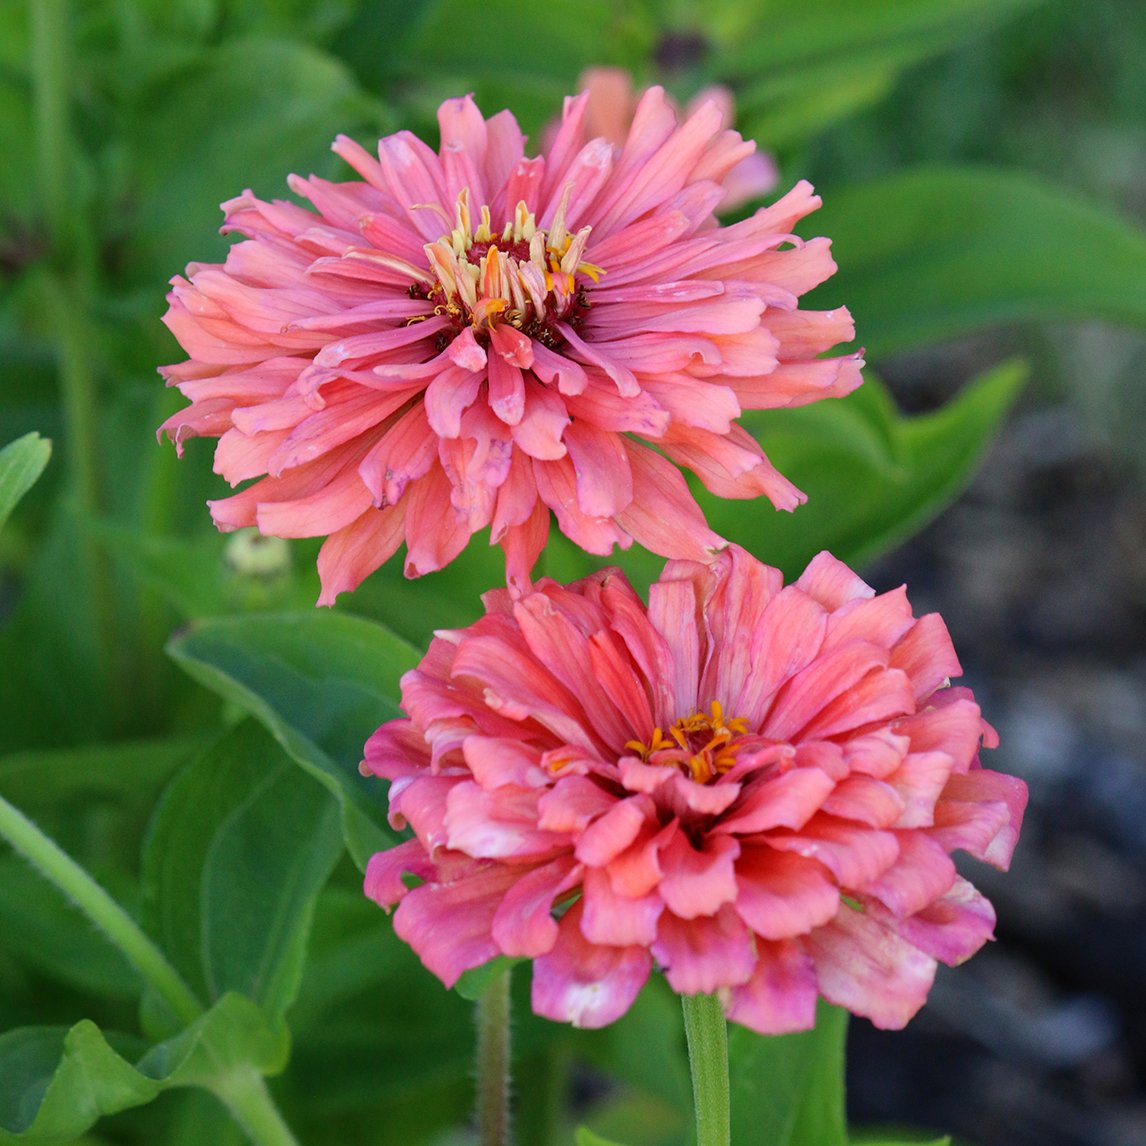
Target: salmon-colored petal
(586, 984)
(780, 895)
(700, 956)
(781, 995)
(866, 966)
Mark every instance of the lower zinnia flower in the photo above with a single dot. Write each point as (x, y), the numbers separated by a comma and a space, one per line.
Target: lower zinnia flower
(755, 787)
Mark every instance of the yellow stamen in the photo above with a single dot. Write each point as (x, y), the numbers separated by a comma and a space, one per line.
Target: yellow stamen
(704, 744)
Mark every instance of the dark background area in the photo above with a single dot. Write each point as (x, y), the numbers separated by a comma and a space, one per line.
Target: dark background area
(1040, 572)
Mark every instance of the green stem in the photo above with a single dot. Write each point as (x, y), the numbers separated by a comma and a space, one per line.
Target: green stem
(245, 1094)
(50, 45)
(58, 867)
(493, 1063)
(66, 292)
(707, 1036)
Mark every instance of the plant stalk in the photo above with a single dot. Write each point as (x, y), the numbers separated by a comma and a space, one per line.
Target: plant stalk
(707, 1036)
(245, 1094)
(124, 933)
(493, 1063)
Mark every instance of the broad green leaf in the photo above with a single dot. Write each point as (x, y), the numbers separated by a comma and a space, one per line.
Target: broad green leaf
(872, 478)
(863, 1139)
(47, 932)
(237, 853)
(21, 463)
(800, 67)
(67, 783)
(586, 1137)
(788, 1090)
(321, 682)
(243, 114)
(935, 252)
(55, 1083)
(374, 1031)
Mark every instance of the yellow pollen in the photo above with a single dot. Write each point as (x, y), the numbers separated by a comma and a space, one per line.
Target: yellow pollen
(523, 276)
(701, 744)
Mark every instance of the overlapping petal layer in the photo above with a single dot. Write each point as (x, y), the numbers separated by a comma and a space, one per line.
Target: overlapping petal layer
(755, 787)
(470, 338)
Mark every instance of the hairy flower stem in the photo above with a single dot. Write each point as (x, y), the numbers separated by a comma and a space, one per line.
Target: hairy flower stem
(242, 1088)
(493, 1063)
(57, 866)
(707, 1035)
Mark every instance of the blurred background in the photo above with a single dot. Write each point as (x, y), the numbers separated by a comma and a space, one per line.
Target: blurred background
(983, 168)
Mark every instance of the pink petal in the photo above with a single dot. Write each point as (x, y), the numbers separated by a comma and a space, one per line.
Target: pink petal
(868, 968)
(781, 995)
(384, 872)
(922, 873)
(698, 882)
(981, 813)
(788, 800)
(617, 920)
(448, 925)
(780, 895)
(951, 929)
(523, 924)
(498, 824)
(702, 955)
(855, 856)
(611, 833)
(571, 804)
(585, 984)
(353, 553)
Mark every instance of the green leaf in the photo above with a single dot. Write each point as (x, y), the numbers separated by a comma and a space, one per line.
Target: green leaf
(49, 933)
(868, 1138)
(239, 848)
(242, 114)
(788, 1090)
(872, 478)
(55, 1083)
(800, 67)
(321, 682)
(473, 983)
(21, 463)
(586, 1137)
(938, 251)
(366, 999)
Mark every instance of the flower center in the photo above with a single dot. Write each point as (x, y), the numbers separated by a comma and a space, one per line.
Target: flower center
(524, 276)
(702, 745)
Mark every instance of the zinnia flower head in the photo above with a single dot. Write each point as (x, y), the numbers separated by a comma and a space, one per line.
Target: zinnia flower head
(471, 338)
(755, 787)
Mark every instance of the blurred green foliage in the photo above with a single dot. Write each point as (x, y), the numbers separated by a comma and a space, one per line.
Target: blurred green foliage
(980, 161)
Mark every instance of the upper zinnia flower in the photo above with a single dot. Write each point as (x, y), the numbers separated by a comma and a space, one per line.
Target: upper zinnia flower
(473, 338)
(756, 787)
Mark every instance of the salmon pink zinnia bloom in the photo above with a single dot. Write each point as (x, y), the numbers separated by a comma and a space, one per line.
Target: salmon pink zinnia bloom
(471, 338)
(758, 788)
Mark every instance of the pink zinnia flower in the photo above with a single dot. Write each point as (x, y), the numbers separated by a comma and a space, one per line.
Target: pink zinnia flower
(613, 102)
(755, 787)
(471, 338)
